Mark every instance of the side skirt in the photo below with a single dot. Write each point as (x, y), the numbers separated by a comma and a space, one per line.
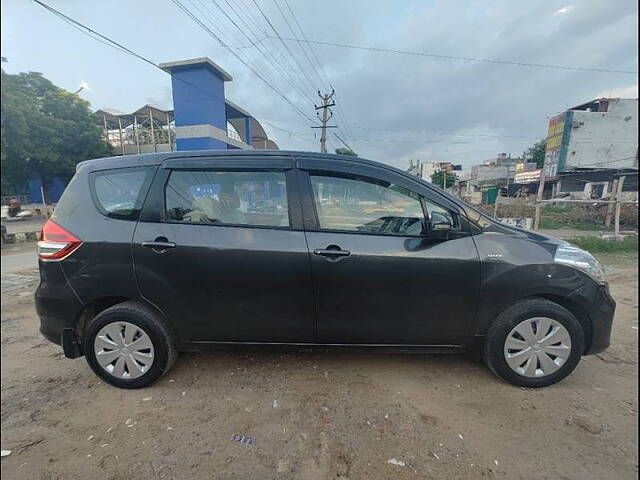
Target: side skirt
(379, 348)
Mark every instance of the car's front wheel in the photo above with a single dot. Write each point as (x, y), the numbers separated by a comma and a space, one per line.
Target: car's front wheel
(129, 346)
(534, 343)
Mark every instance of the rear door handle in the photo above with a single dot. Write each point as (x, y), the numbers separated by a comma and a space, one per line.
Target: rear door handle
(333, 253)
(159, 245)
(325, 252)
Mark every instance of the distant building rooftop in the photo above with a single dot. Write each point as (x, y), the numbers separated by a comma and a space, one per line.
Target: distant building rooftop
(192, 62)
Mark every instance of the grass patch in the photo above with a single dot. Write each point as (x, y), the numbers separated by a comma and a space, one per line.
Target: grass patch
(581, 216)
(601, 245)
(553, 223)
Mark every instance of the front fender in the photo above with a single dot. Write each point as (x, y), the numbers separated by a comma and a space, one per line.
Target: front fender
(514, 268)
(509, 286)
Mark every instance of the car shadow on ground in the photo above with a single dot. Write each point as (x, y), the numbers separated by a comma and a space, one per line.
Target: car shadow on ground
(336, 365)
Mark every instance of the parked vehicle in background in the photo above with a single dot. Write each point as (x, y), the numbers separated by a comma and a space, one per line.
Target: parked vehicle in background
(14, 211)
(149, 255)
(14, 207)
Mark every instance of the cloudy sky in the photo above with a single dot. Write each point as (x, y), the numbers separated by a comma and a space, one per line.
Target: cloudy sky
(391, 107)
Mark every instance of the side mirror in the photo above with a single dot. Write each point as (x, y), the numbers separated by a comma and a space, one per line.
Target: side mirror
(439, 227)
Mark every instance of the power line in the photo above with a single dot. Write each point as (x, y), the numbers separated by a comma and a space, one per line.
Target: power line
(112, 43)
(290, 59)
(454, 57)
(320, 70)
(479, 135)
(278, 36)
(385, 140)
(300, 45)
(342, 141)
(118, 46)
(607, 162)
(427, 132)
(291, 134)
(255, 22)
(241, 60)
(265, 52)
(298, 40)
(306, 42)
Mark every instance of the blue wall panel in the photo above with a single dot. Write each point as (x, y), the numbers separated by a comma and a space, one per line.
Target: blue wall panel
(53, 190)
(34, 190)
(198, 97)
(199, 143)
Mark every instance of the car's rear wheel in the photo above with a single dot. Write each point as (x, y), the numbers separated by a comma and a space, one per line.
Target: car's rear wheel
(129, 346)
(534, 343)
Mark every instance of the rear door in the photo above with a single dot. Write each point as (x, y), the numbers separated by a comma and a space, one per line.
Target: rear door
(378, 279)
(221, 250)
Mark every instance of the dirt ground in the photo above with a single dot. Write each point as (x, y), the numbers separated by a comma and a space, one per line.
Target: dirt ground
(316, 415)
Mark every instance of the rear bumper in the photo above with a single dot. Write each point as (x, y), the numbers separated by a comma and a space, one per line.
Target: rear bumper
(52, 336)
(601, 308)
(55, 302)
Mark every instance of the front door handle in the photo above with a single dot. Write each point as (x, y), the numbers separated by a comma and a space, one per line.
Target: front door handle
(159, 245)
(332, 252)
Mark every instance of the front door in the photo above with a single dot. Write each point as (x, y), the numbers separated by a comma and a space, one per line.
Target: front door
(378, 279)
(221, 251)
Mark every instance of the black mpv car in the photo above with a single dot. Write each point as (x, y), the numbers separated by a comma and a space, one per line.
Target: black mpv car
(149, 255)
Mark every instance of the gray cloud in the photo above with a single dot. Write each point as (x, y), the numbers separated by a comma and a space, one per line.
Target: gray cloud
(377, 90)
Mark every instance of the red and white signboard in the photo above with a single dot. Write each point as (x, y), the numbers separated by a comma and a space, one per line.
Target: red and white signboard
(530, 176)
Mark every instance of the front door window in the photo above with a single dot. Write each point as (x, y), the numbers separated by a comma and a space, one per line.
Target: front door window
(359, 204)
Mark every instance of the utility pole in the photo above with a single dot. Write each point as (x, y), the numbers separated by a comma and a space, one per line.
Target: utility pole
(326, 116)
(617, 214)
(610, 205)
(536, 220)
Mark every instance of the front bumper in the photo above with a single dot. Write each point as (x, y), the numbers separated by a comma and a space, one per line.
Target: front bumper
(601, 307)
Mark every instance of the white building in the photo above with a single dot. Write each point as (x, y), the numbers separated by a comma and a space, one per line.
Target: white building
(602, 133)
(424, 170)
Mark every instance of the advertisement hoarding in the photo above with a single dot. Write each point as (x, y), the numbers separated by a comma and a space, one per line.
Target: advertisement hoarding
(555, 137)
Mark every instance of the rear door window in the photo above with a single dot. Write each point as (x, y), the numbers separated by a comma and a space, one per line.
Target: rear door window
(227, 198)
(120, 192)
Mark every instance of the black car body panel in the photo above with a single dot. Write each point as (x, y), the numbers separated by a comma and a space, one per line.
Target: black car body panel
(225, 284)
(597, 303)
(397, 290)
(391, 289)
(103, 266)
(56, 303)
(228, 285)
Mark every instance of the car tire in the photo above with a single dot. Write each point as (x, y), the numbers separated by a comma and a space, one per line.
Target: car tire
(146, 356)
(544, 362)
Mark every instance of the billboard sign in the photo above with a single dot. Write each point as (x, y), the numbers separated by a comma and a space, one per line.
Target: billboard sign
(555, 136)
(529, 176)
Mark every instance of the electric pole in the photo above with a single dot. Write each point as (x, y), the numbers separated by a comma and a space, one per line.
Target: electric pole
(326, 116)
(539, 197)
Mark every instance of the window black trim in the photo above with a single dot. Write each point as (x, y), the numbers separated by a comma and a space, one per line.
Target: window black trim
(455, 215)
(139, 201)
(319, 163)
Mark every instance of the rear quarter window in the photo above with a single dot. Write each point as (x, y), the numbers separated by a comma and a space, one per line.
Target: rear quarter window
(119, 193)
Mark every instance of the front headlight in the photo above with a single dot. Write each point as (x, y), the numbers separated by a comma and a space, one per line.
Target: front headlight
(584, 261)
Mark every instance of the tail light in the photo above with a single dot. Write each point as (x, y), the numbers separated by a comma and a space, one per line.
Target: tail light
(55, 242)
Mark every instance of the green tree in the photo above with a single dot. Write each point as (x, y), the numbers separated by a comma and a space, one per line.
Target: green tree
(536, 152)
(46, 131)
(438, 178)
(346, 151)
